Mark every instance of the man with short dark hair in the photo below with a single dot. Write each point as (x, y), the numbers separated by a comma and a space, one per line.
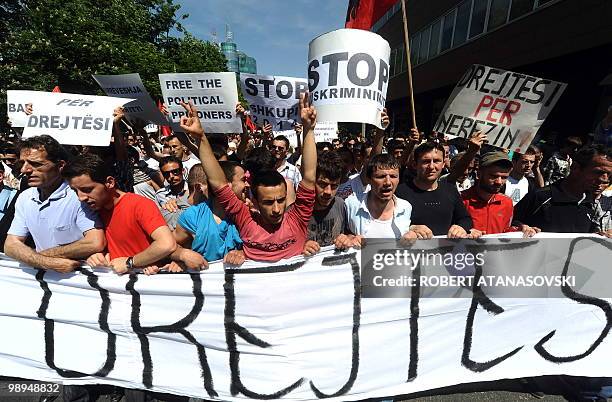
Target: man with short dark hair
(137, 234)
(379, 213)
(558, 166)
(204, 229)
(437, 208)
(279, 148)
(329, 218)
(177, 191)
(64, 229)
(273, 234)
(491, 211)
(180, 151)
(566, 206)
(519, 182)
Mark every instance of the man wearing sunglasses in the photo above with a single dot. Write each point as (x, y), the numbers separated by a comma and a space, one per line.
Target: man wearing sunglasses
(279, 148)
(176, 189)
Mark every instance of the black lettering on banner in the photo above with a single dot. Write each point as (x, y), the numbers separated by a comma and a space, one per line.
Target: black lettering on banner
(279, 89)
(582, 299)
(333, 59)
(479, 72)
(179, 327)
(352, 69)
(415, 294)
(467, 76)
(480, 298)
(111, 339)
(313, 75)
(488, 80)
(232, 328)
(250, 84)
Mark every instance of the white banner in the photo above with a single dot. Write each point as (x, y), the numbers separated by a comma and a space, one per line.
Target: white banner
(324, 132)
(348, 75)
(215, 95)
(509, 107)
(72, 119)
(273, 99)
(131, 86)
(16, 102)
(297, 330)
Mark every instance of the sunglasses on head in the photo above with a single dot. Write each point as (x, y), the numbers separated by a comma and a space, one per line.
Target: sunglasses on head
(176, 172)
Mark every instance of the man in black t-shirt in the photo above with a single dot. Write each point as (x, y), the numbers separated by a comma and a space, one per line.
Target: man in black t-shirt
(566, 206)
(437, 208)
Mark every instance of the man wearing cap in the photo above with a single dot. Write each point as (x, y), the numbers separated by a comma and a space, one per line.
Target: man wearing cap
(491, 211)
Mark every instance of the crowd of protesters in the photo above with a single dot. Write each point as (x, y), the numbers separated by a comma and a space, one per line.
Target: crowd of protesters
(150, 203)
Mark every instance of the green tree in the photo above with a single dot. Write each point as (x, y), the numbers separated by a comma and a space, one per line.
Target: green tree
(44, 43)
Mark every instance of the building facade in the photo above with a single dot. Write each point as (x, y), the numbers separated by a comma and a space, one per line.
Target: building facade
(564, 40)
(237, 61)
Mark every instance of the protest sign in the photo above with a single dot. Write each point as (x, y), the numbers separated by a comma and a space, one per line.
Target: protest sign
(509, 107)
(348, 75)
(72, 119)
(215, 95)
(300, 329)
(16, 102)
(131, 86)
(324, 132)
(273, 99)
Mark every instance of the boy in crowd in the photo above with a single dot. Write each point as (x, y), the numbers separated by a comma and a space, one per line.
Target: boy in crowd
(136, 232)
(273, 234)
(329, 219)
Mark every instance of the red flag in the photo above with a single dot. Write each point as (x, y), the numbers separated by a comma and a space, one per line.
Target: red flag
(165, 130)
(250, 125)
(362, 14)
(56, 89)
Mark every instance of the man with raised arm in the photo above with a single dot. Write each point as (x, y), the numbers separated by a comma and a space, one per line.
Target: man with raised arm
(273, 234)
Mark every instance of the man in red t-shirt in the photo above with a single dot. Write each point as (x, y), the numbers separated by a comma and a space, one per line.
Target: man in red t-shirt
(136, 232)
(274, 233)
(490, 210)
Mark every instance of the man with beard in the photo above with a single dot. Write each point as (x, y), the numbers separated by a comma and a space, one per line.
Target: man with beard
(378, 213)
(437, 208)
(491, 211)
(519, 183)
(328, 220)
(566, 206)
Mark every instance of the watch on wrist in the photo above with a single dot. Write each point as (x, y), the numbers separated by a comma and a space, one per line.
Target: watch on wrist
(129, 263)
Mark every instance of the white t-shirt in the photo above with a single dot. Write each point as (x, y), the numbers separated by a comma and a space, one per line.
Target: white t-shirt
(188, 164)
(516, 189)
(378, 229)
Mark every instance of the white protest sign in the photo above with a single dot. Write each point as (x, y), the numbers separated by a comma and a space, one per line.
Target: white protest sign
(151, 128)
(299, 330)
(273, 99)
(324, 132)
(131, 86)
(16, 102)
(348, 75)
(215, 95)
(509, 107)
(73, 119)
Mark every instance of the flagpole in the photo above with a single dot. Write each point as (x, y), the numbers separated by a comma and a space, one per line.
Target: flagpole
(407, 47)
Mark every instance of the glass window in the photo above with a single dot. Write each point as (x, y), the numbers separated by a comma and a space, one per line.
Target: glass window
(414, 48)
(542, 2)
(479, 14)
(399, 60)
(520, 8)
(499, 13)
(424, 52)
(461, 24)
(434, 42)
(392, 63)
(447, 31)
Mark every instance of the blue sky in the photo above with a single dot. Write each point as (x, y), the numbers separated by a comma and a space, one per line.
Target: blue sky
(275, 32)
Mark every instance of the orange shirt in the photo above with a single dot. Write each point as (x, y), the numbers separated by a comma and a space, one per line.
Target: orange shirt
(128, 226)
(491, 217)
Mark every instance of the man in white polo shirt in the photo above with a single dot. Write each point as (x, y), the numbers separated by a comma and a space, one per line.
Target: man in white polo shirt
(378, 213)
(63, 229)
